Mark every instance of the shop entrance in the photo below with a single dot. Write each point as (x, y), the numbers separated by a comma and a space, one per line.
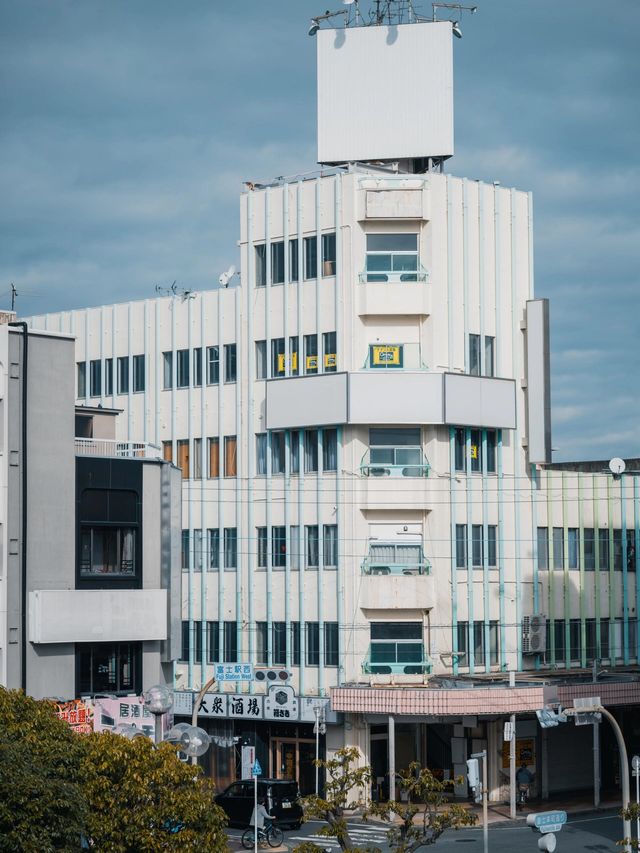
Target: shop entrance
(293, 759)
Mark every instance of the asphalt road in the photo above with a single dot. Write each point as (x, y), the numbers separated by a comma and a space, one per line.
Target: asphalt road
(586, 833)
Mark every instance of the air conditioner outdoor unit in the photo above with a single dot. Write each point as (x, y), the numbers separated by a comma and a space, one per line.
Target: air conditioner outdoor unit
(534, 635)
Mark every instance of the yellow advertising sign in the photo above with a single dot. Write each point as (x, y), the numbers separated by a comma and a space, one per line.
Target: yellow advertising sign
(386, 355)
(474, 451)
(281, 362)
(525, 752)
(330, 360)
(312, 363)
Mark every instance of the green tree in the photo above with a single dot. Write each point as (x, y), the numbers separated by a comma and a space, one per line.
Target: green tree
(125, 795)
(412, 824)
(42, 805)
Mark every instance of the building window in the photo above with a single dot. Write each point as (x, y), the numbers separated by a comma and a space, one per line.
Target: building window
(278, 547)
(476, 368)
(230, 548)
(213, 365)
(313, 644)
(328, 254)
(198, 545)
(329, 449)
(197, 458)
(108, 376)
(138, 373)
(261, 454)
(167, 370)
(573, 548)
(167, 451)
(311, 546)
(330, 546)
(261, 265)
(294, 450)
(461, 546)
(261, 359)
(279, 643)
(331, 644)
(230, 456)
(397, 447)
(310, 451)
(277, 357)
(293, 261)
(81, 379)
(277, 262)
(310, 353)
(392, 257)
(182, 448)
(294, 547)
(478, 546)
(229, 642)
(277, 453)
(95, 378)
(481, 448)
(123, 374)
(213, 536)
(109, 668)
(394, 643)
(184, 549)
(293, 350)
(263, 545)
(214, 458)
(182, 364)
(230, 365)
(197, 367)
(330, 363)
(310, 257)
(107, 551)
(543, 549)
(262, 643)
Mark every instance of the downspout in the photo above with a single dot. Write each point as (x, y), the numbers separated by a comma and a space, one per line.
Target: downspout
(24, 532)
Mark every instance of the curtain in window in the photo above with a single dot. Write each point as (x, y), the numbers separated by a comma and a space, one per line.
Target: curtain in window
(230, 458)
(214, 457)
(312, 546)
(261, 454)
(330, 545)
(329, 449)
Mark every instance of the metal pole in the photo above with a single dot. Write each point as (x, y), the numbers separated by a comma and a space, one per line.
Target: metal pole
(392, 759)
(638, 806)
(596, 765)
(158, 729)
(485, 803)
(512, 757)
(317, 731)
(255, 812)
(624, 772)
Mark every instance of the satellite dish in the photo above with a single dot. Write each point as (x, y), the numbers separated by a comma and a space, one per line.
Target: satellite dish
(226, 276)
(617, 466)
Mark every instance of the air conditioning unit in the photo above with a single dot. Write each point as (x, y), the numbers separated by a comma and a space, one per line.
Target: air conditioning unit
(534, 635)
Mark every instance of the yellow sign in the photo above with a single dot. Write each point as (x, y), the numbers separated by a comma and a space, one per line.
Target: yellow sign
(281, 362)
(312, 363)
(525, 752)
(330, 360)
(385, 355)
(474, 451)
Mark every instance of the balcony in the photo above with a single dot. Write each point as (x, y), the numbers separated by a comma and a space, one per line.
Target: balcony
(376, 566)
(394, 357)
(120, 449)
(395, 661)
(394, 462)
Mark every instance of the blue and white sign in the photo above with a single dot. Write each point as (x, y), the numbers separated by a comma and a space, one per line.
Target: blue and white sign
(256, 770)
(547, 821)
(234, 672)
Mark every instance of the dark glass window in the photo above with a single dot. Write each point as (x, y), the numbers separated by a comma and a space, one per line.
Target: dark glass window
(109, 668)
(95, 378)
(81, 378)
(313, 644)
(543, 548)
(108, 376)
(279, 642)
(278, 547)
(331, 644)
(213, 365)
(329, 449)
(138, 373)
(197, 366)
(311, 450)
(230, 547)
(123, 374)
(261, 265)
(277, 262)
(107, 551)
(230, 363)
(293, 260)
(310, 257)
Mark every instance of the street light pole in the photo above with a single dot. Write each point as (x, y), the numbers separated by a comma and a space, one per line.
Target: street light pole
(196, 708)
(319, 729)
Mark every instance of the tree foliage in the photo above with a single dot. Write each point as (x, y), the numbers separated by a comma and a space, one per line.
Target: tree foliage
(124, 795)
(417, 823)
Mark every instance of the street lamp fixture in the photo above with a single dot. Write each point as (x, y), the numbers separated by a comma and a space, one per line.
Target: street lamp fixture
(158, 700)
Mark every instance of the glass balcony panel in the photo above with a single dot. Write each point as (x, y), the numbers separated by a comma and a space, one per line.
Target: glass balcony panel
(382, 455)
(375, 463)
(379, 263)
(408, 456)
(405, 263)
(383, 653)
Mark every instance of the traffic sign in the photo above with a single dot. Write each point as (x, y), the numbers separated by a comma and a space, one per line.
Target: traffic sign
(547, 821)
(635, 765)
(256, 770)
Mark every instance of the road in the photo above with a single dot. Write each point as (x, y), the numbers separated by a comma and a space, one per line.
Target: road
(595, 832)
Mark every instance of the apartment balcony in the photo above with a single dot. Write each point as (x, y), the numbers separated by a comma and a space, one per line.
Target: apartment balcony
(377, 567)
(394, 462)
(392, 662)
(393, 294)
(119, 449)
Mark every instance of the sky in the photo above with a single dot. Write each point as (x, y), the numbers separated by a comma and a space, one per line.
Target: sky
(128, 126)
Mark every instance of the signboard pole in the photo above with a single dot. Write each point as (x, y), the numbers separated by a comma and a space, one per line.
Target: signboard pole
(512, 756)
(255, 812)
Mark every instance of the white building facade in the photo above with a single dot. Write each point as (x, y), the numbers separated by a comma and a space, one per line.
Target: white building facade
(363, 426)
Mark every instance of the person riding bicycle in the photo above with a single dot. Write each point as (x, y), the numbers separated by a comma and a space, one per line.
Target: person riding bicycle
(260, 817)
(524, 778)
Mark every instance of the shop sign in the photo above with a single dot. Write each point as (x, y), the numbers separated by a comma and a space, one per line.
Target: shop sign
(281, 703)
(525, 752)
(111, 713)
(78, 713)
(228, 705)
(386, 355)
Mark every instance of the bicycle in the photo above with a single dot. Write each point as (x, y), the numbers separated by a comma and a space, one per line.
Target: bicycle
(271, 835)
(523, 795)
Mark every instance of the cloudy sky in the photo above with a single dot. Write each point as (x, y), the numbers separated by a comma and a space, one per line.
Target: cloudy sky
(128, 127)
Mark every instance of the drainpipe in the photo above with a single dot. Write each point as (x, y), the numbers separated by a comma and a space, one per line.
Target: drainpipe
(23, 550)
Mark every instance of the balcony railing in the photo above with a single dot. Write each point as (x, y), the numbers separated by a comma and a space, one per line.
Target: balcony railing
(120, 449)
(394, 462)
(394, 277)
(376, 566)
(396, 667)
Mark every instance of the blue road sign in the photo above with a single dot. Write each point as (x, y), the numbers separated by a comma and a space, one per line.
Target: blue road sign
(256, 770)
(550, 821)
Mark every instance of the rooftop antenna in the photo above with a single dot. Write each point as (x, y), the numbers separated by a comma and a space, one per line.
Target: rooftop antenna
(14, 293)
(174, 290)
(455, 25)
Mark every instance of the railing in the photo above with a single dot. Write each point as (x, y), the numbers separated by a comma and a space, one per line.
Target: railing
(376, 566)
(120, 449)
(394, 277)
(420, 667)
(418, 466)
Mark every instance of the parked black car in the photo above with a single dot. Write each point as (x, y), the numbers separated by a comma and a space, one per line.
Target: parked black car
(282, 800)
